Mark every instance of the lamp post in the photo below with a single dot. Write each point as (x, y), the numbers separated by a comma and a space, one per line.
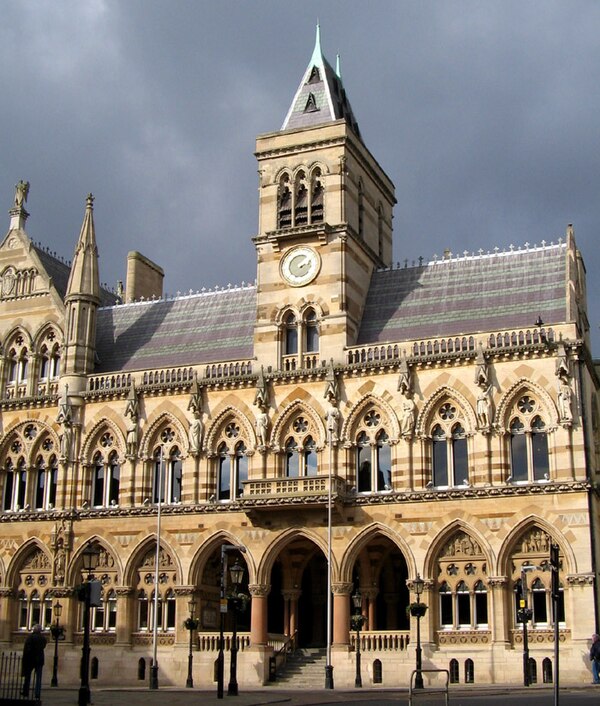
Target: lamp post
(57, 632)
(356, 623)
(236, 573)
(191, 624)
(225, 549)
(90, 557)
(524, 615)
(418, 610)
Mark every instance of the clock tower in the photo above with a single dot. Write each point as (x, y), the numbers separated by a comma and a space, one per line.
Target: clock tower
(325, 224)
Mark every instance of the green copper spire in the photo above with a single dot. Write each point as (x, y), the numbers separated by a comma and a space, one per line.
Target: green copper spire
(320, 97)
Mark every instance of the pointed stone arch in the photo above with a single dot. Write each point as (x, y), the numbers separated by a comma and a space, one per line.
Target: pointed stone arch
(33, 546)
(444, 536)
(18, 329)
(519, 387)
(267, 561)
(227, 413)
(141, 550)
(358, 543)
(208, 547)
(351, 421)
(16, 430)
(42, 332)
(317, 164)
(531, 522)
(424, 416)
(99, 427)
(291, 409)
(165, 418)
(74, 568)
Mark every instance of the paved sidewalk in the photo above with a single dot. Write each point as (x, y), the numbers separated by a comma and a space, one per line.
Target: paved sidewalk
(176, 696)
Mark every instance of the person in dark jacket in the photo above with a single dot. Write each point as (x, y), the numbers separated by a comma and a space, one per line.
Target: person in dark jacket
(595, 657)
(33, 661)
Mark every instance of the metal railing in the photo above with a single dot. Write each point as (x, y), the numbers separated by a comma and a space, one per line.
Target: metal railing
(429, 689)
(11, 680)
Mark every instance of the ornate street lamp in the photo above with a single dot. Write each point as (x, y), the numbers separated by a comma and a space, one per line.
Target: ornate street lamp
(225, 549)
(90, 556)
(236, 573)
(57, 632)
(191, 624)
(524, 615)
(356, 623)
(418, 610)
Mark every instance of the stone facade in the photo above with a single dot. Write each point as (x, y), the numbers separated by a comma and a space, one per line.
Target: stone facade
(437, 421)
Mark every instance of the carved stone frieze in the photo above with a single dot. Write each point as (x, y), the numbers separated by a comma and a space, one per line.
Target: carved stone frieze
(464, 637)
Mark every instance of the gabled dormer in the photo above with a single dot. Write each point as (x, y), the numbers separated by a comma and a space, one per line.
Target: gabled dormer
(325, 220)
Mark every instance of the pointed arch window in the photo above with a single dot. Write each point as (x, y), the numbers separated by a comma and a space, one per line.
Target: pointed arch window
(446, 607)
(316, 203)
(449, 452)
(373, 455)
(315, 76)
(311, 332)
(311, 104)
(291, 334)
(292, 459)
(529, 457)
(21, 485)
(23, 366)
(168, 472)
(481, 604)
(284, 211)
(463, 605)
(224, 481)
(46, 483)
(301, 201)
(12, 367)
(9, 485)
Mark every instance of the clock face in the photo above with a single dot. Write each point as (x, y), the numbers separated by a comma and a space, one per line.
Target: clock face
(299, 266)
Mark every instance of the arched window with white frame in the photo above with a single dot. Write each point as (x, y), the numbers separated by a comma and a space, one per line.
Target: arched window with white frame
(232, 460)
(373, 453)
(105, 471)
(528, 442)
(449, 449)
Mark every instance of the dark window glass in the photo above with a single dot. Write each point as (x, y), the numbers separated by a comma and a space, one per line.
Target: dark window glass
(176, 479)
(463, 601)
(384, 464)
(143, 610)
(39, 491)
(115, 480)
(21, 484)
(292, 459)
(291, 336)
(8, 487)
(481, 606)
(538, 598)
(518, 451)
(440, 457)
(539, 443)
(242, 469)
(53, 479)
(446, 608)
(98, 485)
(224, 476)
(459, 456)
(310, 457)
(363, 457)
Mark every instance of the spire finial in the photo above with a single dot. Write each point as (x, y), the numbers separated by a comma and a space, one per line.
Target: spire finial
(338, 66)
(89, 201)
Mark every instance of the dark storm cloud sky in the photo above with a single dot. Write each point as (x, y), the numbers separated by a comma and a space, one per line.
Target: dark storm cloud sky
(484, 114)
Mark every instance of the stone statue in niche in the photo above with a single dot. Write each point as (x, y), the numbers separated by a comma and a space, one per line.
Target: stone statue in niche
(66, 440)
(484, 408)
(195, 434)
(565, 397)
(332, 420)
(262, 427)
(407, 417)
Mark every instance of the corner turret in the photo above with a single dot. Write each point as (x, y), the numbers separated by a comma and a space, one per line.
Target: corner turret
(82, 300)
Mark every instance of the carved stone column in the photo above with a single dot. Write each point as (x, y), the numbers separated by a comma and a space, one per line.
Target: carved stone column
(258, 615)
(341, 613)
(125, 614)
(370, 595)
(6, 603)
(183, 596)
(497, 617)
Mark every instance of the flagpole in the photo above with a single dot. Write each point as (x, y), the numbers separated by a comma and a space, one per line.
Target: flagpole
(154, 668)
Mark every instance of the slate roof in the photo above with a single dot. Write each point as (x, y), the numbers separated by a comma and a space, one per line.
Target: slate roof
(202, 328)
(496, 292)
(59, 272)
(320, 97)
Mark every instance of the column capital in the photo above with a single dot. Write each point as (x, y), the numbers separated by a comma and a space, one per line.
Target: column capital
(259, 589)
(342, 588)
